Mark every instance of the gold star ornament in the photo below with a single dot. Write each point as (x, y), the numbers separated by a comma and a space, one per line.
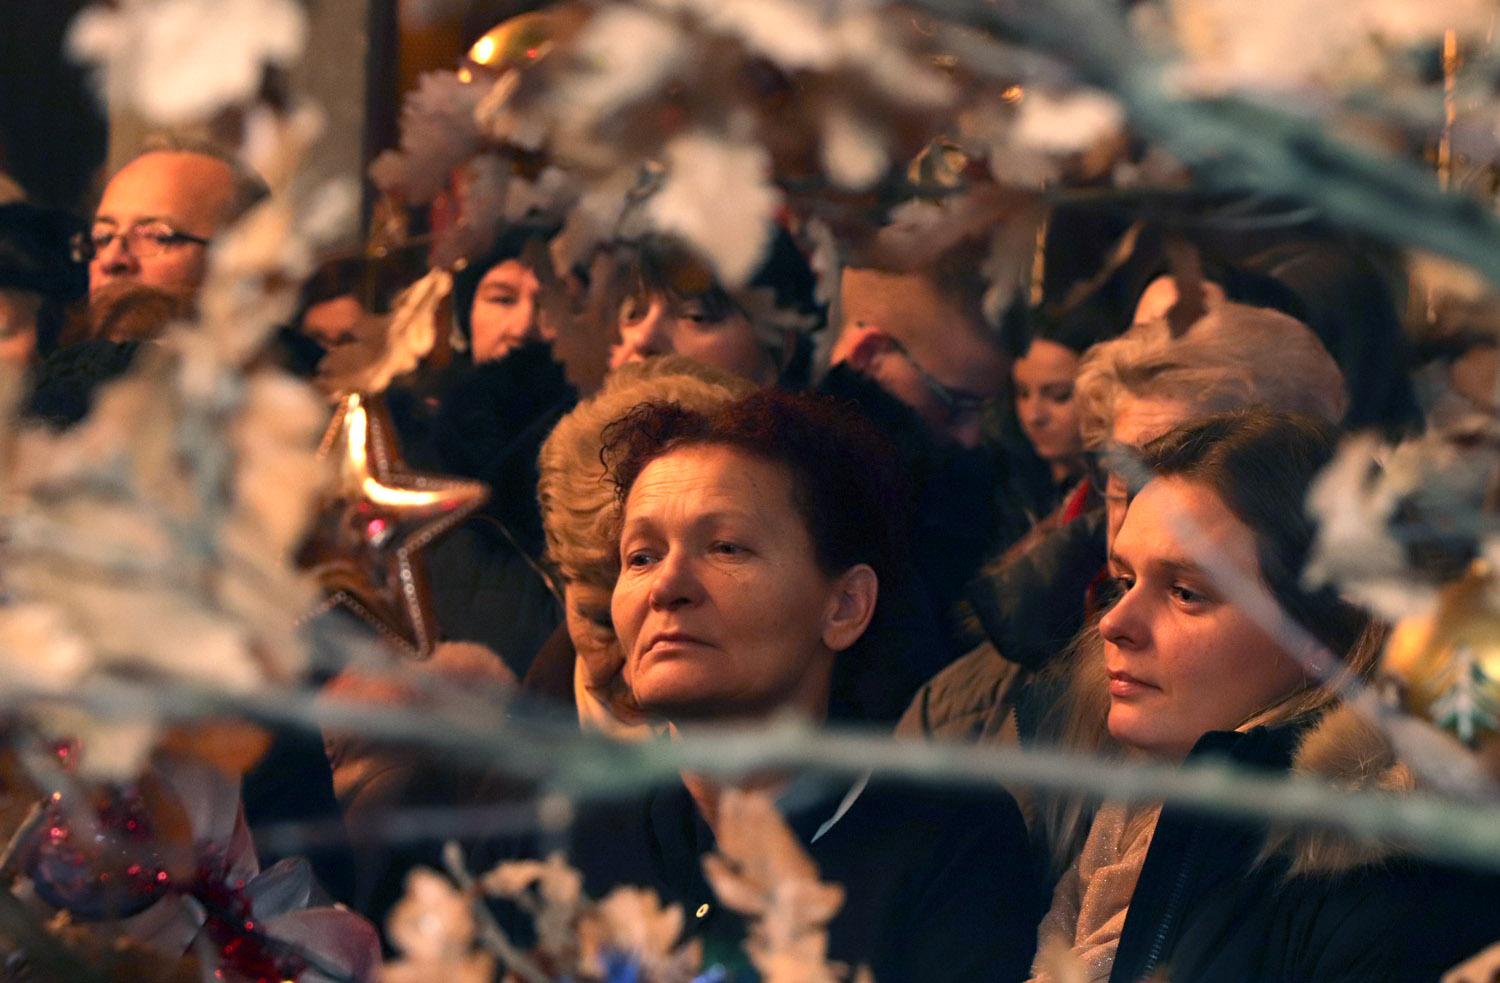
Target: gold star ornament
(366, 542)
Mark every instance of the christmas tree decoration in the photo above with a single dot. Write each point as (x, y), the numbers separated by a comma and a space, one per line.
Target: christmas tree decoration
(366, 541)
(110, 866)
(1448, 663)
(159, 559)
(525, 39)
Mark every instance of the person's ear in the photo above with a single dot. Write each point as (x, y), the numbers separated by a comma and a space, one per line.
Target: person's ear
(855, 592)
(867, 343)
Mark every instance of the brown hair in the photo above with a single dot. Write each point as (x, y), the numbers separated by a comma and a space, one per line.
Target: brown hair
(577, 501)
(1260, 464)
(845, 482)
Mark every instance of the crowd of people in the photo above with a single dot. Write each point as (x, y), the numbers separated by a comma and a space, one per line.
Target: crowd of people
(1080, 527)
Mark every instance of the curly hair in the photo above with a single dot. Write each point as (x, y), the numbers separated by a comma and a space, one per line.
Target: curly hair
(1232, 358)
(845, 482)
(576, 499)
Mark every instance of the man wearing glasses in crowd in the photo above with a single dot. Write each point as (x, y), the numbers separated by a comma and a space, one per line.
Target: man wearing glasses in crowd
(158, 215)
(914, 353)
(921, 338)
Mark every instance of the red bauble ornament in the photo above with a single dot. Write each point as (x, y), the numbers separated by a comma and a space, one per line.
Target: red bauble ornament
(111, 867)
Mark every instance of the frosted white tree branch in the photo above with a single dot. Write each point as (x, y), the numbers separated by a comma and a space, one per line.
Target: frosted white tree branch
(1234, 144)
(585, 766)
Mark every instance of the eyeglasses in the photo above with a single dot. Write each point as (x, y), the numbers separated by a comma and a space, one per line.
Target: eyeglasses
(958, 404)
(144, 240)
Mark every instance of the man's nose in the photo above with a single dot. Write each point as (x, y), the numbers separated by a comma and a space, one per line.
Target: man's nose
(116, 256)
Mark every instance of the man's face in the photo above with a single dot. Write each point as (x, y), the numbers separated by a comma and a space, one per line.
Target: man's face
(936, 358)
(949, 381)
(182, 193)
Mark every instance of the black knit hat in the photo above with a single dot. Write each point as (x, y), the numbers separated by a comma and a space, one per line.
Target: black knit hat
(36, 252)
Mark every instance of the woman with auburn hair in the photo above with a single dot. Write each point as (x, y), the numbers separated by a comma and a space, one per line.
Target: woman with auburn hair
(756, 542)
(577, 506)
(1205, 650)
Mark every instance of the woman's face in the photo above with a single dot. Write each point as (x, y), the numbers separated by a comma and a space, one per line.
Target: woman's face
(507, 311)
(655, 324)
(1043, 380)
(1183, 657)
(721, 610)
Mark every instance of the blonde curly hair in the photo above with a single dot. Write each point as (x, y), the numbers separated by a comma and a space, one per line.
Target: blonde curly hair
(577, 500)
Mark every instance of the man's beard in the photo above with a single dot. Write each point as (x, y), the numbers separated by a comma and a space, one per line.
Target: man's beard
(127, 310)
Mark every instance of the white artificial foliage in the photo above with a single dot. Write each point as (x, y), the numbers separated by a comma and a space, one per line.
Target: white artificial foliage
(438, 133)
(553, 191)
(1007, 267)
(1306, 45)
(1354, 500)
(624, 53)
(1062, 123)
(181, 61)
(717, 196)
(788, 32)
(762, 871)
(853, 150)
(483, 184)
(595, 218)
(634, 921)
(39, 650)
(869, 48)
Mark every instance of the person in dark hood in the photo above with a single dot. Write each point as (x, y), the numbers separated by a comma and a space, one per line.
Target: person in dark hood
(485, 416)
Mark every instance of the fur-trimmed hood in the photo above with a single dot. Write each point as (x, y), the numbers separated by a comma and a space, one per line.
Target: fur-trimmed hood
(1347, 750)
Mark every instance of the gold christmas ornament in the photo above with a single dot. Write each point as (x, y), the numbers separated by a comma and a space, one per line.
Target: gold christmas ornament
(367, 538)
(522, 40)
(1448, 663)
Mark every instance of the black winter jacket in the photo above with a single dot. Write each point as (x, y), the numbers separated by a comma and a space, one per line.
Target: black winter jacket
(1206, 910)
(1030, 608)
(488, 422)
(937, 882)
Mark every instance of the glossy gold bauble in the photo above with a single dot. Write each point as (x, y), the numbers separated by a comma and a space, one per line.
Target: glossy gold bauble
(523, 40)
(1448, 663)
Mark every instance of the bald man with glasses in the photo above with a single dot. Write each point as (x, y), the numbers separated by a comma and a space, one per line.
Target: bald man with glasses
(158, 215)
